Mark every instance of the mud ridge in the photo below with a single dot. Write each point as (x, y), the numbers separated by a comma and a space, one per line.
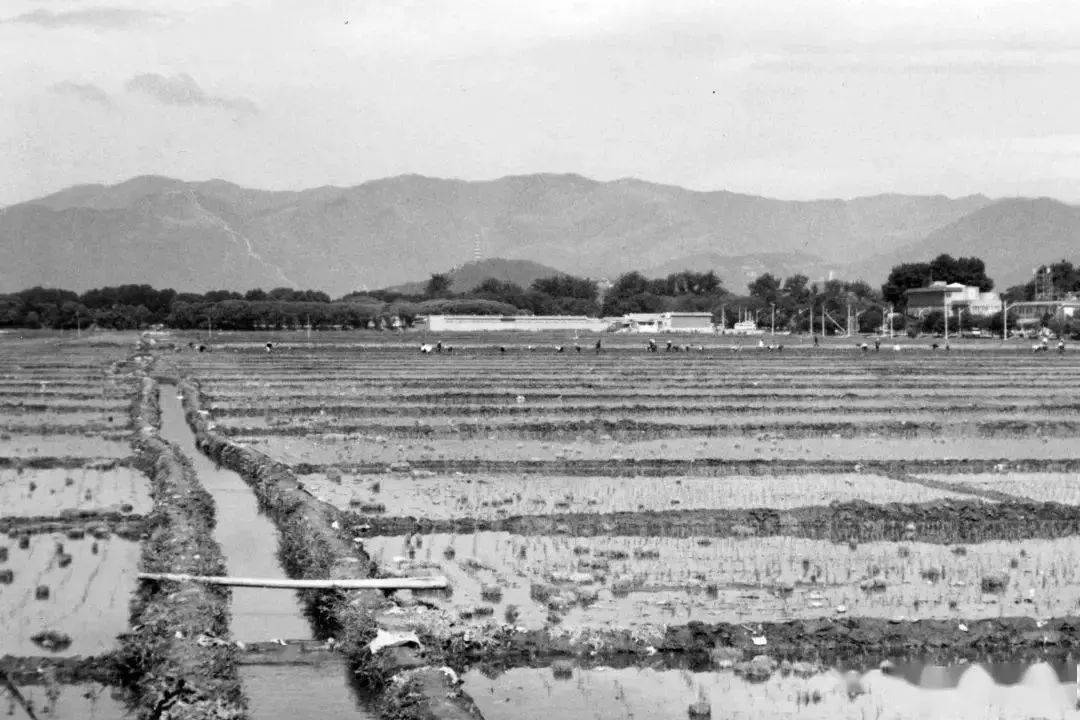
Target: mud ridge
(90, 522)
(827, 641)
(47, 462)
(39, 670)
(315, 542)
(628, 430)
(709, 467)
(940, 522)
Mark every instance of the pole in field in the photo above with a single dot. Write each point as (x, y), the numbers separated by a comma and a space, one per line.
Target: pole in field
(946, 306)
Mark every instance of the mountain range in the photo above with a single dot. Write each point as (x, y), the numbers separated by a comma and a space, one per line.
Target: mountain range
(214, 234)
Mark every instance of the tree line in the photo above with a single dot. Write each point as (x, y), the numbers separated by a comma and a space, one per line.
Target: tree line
(788, 304)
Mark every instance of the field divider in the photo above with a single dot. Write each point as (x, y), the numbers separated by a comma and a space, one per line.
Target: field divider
(962, 488)
(316, 542)
(48, 462)
(709, 467)
(43, 669)
(945, 522)
(826, 641)
(88, 522)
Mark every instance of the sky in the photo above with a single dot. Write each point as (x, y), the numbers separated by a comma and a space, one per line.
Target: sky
(795, 100)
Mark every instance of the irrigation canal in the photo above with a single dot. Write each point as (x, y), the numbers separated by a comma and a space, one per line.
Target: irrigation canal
(248, 540)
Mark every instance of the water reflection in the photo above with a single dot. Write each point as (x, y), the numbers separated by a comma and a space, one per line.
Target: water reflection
(975, 691)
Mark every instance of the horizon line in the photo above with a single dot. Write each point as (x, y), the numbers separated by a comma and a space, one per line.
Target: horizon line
(515, 176)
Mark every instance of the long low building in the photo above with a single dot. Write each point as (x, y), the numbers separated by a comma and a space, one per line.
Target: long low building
(665, 322)
(470, 323)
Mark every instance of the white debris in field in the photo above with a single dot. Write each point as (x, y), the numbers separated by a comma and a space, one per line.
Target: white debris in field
(384, 639)
(450, 675)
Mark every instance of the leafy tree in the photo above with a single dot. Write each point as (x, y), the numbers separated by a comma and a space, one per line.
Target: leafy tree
(796, 289)
(566, 286)
(902, 278)
(438, 285)
(765, 287)
(966, 270)
(220, 295)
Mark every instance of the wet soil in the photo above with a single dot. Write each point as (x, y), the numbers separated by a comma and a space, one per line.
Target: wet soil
(491, 497)
(52, 491)
(72, 445)
(643, 582)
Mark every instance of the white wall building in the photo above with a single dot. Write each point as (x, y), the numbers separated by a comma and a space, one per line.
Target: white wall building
(470, 323)
(957, 296)
(687, 322)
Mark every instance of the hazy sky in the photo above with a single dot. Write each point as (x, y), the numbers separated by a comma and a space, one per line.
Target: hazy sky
(787, 98)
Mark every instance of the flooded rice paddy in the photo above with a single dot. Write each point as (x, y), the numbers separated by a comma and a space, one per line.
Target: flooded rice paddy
(964, 692)
(80, 587)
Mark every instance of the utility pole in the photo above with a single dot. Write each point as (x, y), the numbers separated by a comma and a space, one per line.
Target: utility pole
(1004, 336)
(890, 321)
(822, 321)
(772, 326)
(945, 299)
(849, 318)
(309, 326)
(811, 320)
(78, 326)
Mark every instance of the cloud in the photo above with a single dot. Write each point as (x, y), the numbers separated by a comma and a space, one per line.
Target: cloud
(182, 89)
(106, 18)
(83, 91)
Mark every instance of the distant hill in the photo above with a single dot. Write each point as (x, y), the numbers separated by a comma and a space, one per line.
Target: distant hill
(1012, 236)
(214, 234)
(469, 275)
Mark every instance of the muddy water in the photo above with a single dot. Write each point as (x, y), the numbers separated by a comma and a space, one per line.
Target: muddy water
(983, 692)
(248, 539)
(67, 702)
(289, 692)
(89, 589)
